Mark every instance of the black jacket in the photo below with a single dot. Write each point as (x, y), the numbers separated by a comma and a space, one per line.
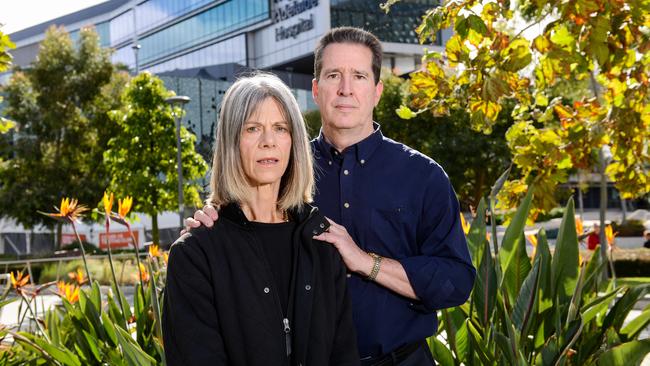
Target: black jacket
(220, 307)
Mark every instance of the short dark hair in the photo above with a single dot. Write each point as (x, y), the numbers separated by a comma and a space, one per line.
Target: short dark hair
(349, 35)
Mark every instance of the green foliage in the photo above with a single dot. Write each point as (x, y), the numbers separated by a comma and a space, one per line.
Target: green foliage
(472, 159)
(597, 50)
(60, 105)
(5, 63)
(553, 312)
(141, 156)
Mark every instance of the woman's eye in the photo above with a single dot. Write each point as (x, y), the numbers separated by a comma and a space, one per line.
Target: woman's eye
(251, 129)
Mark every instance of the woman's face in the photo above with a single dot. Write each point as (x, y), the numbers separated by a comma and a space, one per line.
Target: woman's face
(265, 144)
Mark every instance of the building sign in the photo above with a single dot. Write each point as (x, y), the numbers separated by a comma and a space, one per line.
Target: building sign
(284, 11)
(71, 238)
(120, 239)
(294, 30)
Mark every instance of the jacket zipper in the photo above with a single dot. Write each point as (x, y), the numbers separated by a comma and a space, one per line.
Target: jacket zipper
(285, 320)
(287, 335)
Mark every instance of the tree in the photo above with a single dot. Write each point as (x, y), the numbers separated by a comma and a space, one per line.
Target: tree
(5, 63)
(60, 106)
(485, 63)
(142, 155)
(472, 159)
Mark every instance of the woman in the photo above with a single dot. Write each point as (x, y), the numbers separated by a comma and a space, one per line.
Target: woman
(256, 289)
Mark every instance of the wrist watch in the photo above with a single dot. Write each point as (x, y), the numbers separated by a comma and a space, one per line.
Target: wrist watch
(375, 266)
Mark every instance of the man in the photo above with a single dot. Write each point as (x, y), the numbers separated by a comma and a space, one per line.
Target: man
(395, 218)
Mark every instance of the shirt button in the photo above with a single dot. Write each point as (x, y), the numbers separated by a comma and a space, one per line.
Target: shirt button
(346, 205)
(346, 172)
(307, 287)
(348, 275)
(266, 290)
(362, 161)
(329, 162)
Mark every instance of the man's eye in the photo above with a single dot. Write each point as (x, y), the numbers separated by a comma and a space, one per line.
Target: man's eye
(332, 76)
(360, 77)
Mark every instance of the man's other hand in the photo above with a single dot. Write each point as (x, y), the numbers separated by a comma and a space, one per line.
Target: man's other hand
(206, 216)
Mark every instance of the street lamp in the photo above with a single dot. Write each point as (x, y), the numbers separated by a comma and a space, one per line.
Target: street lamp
(179, 100)
(136, 47)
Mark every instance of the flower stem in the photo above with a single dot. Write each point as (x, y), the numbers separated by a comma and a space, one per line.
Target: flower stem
(137, 256)
(38, 324)
(83, 252)
(110, 259)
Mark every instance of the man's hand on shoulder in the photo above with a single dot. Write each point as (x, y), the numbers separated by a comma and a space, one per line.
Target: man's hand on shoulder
(355, 259)
(206, 216)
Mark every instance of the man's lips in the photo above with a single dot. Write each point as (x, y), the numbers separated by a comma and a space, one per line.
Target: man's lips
(345, 107)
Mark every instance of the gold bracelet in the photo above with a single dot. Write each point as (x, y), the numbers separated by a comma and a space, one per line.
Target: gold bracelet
(375, 267)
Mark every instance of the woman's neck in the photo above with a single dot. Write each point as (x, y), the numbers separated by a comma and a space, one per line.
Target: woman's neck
(262, 205)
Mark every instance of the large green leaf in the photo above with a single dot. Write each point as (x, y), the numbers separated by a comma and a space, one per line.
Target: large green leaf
(636, 325)
(477, 340)
(546, 289)
(133, 354)
(526, 303)
(485, 287)
(508, 252)
(598, 305)
(517, 269)
(564, 266)
(621, 309)
(630, 353)
(441, 352)
(61, 354)
(476, 236)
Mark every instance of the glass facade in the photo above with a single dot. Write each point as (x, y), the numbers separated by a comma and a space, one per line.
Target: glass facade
(104, 32)
(121, 28)
(212, 23)
(232, 50)
(154, 13)
(397, 26)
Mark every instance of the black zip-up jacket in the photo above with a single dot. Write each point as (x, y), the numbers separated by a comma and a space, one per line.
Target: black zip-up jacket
(221, 307)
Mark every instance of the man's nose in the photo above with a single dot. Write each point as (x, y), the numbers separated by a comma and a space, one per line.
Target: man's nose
(345, 86)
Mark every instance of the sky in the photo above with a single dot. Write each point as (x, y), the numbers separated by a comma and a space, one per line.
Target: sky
(21, 14)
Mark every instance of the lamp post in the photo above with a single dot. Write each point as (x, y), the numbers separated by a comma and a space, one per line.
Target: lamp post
(179, 100)
(136, 48)
(605, 157)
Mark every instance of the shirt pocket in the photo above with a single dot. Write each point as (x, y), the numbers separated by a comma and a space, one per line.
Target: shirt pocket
(393, 231)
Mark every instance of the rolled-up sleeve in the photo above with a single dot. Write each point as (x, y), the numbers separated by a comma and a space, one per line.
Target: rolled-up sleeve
(442, 275)
(189, 320)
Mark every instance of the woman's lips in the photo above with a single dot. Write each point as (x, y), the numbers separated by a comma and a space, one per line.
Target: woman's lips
(268, 161)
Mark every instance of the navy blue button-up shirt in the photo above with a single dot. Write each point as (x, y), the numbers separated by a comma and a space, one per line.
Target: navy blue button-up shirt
(398, 203)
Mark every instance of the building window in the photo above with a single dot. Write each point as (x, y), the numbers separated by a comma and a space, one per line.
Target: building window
(397, 26)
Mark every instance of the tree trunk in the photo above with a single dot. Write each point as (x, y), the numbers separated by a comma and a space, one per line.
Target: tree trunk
(155, 236)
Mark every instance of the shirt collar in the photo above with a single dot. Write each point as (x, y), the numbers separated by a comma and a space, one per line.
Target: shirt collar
(363, 149)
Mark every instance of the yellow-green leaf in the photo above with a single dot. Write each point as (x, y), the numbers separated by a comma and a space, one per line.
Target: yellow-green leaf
(405, 112)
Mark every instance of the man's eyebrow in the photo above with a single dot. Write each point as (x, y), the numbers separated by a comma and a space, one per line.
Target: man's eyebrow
(327, 71)
(354, 71)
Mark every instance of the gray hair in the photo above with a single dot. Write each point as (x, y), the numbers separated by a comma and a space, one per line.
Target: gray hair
(228, 182)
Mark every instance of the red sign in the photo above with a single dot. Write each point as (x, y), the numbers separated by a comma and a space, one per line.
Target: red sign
(120, 239)
(71, 238)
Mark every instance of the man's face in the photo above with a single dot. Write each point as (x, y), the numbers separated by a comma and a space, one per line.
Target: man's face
(345, 90)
